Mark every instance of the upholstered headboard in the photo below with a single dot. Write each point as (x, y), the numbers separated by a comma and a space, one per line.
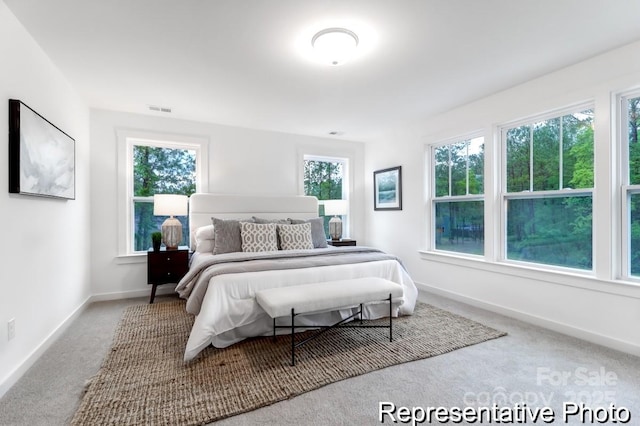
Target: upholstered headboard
(204, 206)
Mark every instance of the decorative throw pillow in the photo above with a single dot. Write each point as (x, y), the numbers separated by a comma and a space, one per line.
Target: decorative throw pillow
(258, 236)
(280, 221)
(317, 231)
(295, 237)
(227, 235)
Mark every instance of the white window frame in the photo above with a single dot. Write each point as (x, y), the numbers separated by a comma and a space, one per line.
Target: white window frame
(434, 199)
(531, 194)
(626, 188)
(127, 139)
(346, 161)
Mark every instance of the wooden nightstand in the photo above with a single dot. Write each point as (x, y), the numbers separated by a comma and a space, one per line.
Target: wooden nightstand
(166, 266)
(341, 243)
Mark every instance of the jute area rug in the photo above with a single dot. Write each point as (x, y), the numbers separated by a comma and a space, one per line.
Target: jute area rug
(143, 379)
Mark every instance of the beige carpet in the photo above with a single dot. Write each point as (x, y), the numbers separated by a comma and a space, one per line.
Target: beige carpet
(143, 379)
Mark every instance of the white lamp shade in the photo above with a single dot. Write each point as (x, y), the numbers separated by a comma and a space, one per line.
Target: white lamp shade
(170, 205)
(335, 207)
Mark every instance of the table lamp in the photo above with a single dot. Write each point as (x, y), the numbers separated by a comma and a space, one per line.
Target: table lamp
(335, 208)
(170, 205)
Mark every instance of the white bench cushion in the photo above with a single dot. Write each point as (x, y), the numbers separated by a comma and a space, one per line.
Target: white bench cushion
(325, 296)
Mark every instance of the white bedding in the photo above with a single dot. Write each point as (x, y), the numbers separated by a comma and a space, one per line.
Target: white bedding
(226, 311)
(229, 312)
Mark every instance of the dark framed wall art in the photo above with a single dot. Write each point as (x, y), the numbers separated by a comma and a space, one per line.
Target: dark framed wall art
(42, 157)
(387, 189)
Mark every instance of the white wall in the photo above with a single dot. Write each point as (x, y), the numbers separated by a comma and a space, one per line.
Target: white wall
(74, 243)
(44, 275)
(241, 161)
(596, 308)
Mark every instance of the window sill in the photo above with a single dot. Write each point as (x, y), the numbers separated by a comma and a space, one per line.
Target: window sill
(583, 280)
(126, 259)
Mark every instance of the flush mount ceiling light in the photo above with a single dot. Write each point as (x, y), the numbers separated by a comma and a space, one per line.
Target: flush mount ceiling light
(335, 45)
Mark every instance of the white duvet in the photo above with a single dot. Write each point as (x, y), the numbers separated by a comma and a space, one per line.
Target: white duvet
(229, 312)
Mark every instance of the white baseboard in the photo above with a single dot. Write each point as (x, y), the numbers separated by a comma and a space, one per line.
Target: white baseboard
(131, 294)
(19, 371)
(559, 327)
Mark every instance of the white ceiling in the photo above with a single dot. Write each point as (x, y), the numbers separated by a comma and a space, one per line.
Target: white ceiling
(241, 62)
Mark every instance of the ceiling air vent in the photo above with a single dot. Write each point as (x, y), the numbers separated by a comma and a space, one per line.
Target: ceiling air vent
(159, 108)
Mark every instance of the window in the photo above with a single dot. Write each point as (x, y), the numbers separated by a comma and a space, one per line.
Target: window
(159, 170)
(326, 179)
(458, 200)
(631, 185)
(155, 165)
(548, 186)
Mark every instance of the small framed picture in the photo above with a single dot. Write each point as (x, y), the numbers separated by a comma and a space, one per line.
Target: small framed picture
(387, 189)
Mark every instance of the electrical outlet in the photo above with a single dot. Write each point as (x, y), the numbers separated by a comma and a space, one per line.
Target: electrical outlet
(11, 329)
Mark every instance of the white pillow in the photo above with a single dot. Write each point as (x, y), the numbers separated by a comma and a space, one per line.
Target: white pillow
(205, 246)
(205, 239)
(205, 233)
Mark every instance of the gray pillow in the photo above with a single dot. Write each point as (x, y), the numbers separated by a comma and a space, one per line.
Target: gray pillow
(228, 238)
(263, 220)
(317, 231)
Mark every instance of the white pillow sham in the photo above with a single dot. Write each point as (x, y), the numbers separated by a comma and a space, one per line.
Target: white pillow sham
(205, 238)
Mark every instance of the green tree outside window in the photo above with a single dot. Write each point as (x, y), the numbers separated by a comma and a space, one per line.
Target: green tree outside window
(633, 106)
(551, 155)
(159, 170)
(323, 179)
(459, 175)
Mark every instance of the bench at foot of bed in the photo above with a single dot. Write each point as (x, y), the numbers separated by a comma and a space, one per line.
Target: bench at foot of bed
(327, 296)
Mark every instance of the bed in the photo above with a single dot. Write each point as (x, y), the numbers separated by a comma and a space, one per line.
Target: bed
(222, 280)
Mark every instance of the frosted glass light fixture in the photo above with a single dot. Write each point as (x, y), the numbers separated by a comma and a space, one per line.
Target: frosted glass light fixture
(170, 205)
(335, 208)
(335, 45)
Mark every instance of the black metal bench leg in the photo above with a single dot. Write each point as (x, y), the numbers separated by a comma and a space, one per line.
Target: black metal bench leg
(352, 317)
(293, 341)
(390, 321)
